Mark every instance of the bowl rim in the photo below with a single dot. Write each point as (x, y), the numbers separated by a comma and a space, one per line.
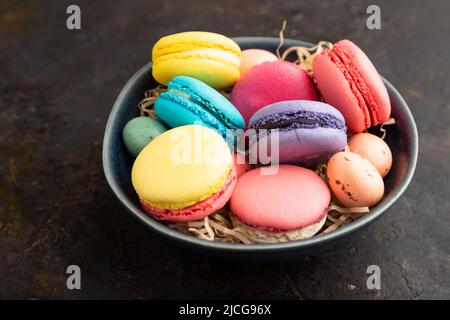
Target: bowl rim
(321, 239)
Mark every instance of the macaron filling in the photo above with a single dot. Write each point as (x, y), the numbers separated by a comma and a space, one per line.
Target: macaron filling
(182, 46)
(298, 119)
(197, 100)
(221, 56)
(190, 104)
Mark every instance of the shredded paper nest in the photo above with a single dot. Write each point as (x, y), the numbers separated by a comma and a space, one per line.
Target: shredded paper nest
(221, 226)
(304, 55)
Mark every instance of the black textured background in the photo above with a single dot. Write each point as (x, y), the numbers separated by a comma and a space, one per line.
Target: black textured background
(58, 86)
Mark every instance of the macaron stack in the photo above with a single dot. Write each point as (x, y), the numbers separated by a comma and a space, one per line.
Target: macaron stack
(254, 152)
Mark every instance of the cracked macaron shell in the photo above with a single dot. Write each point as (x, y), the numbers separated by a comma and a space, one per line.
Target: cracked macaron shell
(348, 80)
(209, 57)
(355, 181)
(190, 101)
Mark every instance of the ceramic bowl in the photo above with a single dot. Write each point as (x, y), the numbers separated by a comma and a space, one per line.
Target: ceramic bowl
(402, 138)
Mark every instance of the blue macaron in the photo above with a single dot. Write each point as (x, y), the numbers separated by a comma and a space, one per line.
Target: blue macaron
(191, 101)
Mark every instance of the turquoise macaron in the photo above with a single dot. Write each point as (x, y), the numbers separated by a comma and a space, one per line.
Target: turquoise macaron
(191, 101)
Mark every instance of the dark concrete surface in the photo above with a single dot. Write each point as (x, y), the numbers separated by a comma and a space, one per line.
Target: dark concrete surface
(58, 86)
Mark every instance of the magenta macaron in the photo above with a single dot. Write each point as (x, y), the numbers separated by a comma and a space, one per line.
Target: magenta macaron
(271, 82)
(288, 204)
(348, 80)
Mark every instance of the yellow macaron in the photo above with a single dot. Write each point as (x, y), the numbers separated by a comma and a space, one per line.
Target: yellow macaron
(181, 167)
(209, 57)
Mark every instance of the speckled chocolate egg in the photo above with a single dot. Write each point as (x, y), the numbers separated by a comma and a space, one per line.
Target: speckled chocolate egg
(374, 149)
(355, 181)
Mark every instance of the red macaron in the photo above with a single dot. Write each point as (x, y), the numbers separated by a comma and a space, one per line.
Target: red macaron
(271, 82)
(348, 80)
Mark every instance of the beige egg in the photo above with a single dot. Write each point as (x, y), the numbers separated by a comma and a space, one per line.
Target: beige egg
(355, 181)
(253, 57)
(374, 149)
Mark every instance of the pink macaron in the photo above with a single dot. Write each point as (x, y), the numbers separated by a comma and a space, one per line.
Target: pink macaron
(291, 199)
(348, 80)
(271, 82)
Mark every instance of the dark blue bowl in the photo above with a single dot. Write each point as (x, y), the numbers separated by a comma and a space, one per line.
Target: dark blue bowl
(402, 138)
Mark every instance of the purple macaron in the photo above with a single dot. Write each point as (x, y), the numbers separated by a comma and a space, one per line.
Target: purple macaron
(301, 131)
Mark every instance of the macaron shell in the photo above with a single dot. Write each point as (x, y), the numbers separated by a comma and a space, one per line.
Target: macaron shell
(192, 40)
(292, 198)
(261, 236)
(190, 101)
(370, 76)
(217, 73)
(301, 146)
(355, 181)
(210, 99)
(210, 57)
(139, 131)
(338, 89)
(374, 149)
(199, 210)
(271, 82)
(176, 111)
(253, 57)
(348, 80)
(181, 167)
